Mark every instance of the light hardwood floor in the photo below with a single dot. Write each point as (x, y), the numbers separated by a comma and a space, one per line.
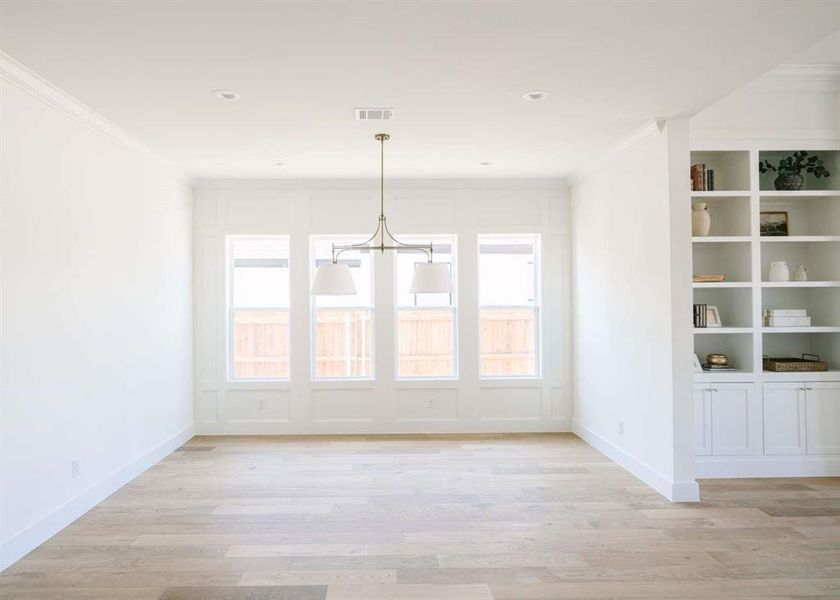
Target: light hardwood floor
(512, 517)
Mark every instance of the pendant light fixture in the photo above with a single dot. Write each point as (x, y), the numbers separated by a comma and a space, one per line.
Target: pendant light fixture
(335, 279)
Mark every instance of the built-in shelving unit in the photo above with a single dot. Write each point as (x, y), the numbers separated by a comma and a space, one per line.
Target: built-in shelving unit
(736, 249)
(751, 422)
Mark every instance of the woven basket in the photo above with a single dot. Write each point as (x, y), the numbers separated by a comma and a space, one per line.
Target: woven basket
(807, 364)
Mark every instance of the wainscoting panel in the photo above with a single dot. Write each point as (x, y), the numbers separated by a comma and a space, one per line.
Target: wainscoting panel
(427, 405)
(257, 406)
(511, 404)
(342, 406)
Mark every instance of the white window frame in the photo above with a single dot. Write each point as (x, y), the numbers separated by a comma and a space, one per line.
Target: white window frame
(313, 323)
(536, 306)
(453, 307)
(231, 309)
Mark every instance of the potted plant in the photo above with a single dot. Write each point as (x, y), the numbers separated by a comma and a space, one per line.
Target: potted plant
(790, 170)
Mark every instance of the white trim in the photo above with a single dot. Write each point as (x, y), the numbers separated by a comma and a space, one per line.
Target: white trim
(788, 466)
(30, 82)
(798, 78)
(24, 542)
(675, 491)
(364, 426)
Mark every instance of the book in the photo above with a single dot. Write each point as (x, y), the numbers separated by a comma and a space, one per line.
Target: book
(710, 278)
(702, 179)
(785, 312)
(697, 177)
(787, 321)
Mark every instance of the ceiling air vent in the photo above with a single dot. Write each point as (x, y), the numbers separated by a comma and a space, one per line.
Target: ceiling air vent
(374, 114)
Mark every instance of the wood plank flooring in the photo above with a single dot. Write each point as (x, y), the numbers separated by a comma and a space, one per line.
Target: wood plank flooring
(513, 517)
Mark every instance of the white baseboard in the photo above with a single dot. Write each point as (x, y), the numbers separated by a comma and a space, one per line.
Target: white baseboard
(23, 543)
(675, 491)
(420, 426)
(767, 466)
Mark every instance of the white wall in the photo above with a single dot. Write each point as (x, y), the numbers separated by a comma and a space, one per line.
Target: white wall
(96, 310)
(323, 207)
(630, 272)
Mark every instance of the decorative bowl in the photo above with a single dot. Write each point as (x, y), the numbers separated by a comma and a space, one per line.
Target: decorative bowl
(717, 359)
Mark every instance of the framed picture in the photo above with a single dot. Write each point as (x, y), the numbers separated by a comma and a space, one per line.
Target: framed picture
(712, 316)
(773, 223)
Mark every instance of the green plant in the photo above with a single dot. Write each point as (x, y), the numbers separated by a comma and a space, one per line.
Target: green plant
(795, 164)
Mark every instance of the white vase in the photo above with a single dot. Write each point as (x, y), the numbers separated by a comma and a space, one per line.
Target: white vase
(779, 271)
(701, 221)
(801, 273)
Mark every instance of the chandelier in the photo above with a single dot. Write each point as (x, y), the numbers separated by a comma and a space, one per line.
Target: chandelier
(335, 279)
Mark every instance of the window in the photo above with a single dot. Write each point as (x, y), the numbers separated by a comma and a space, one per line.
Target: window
(258, 301)
(508, 299)
(426, 323)
(343, 325)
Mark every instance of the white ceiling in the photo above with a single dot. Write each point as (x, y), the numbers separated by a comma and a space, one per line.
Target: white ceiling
(454, 72)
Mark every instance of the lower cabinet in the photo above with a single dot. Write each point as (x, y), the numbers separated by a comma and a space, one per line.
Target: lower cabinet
(726, 419)
(822, 417)
(784, 418)
(802, 418)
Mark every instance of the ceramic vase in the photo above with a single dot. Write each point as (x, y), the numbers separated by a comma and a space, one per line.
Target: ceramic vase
(701, 221)
(801, 273)
(779, 271)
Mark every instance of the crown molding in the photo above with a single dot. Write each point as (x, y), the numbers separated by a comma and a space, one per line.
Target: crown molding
(36, 86)
(650, 129)
(799, 77)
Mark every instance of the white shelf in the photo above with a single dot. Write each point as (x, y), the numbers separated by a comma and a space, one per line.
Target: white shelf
(706, 330)
(715, 239)
(721, 194)
(812, 329)
(798, 193)
(723, 376)
(799, 284)
(798, 238)
(723, 284)
(807, 376)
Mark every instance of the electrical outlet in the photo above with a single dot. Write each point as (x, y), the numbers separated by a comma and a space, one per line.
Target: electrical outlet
(431, 404)
(76, 468)
(621, 428)
(261, 404)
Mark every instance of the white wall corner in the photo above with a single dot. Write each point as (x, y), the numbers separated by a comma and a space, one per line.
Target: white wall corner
(23, 543)
(675, 491)
(29, 81)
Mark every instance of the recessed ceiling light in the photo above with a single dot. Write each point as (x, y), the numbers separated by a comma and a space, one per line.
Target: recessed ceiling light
(279, 164)
(485, 163)
(535, 95)
(226, 95)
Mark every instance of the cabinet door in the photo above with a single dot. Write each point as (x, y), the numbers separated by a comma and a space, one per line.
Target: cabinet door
(733, 417)
(822, 410)
(784, 418)
(702, 420)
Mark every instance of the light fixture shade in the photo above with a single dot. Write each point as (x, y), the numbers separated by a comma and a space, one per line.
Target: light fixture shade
(333, 279)
(431, 278)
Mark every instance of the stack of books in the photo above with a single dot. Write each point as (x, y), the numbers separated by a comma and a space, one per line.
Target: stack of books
(702, 179)
(786, 317)
(708, 367)
(700, 315)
